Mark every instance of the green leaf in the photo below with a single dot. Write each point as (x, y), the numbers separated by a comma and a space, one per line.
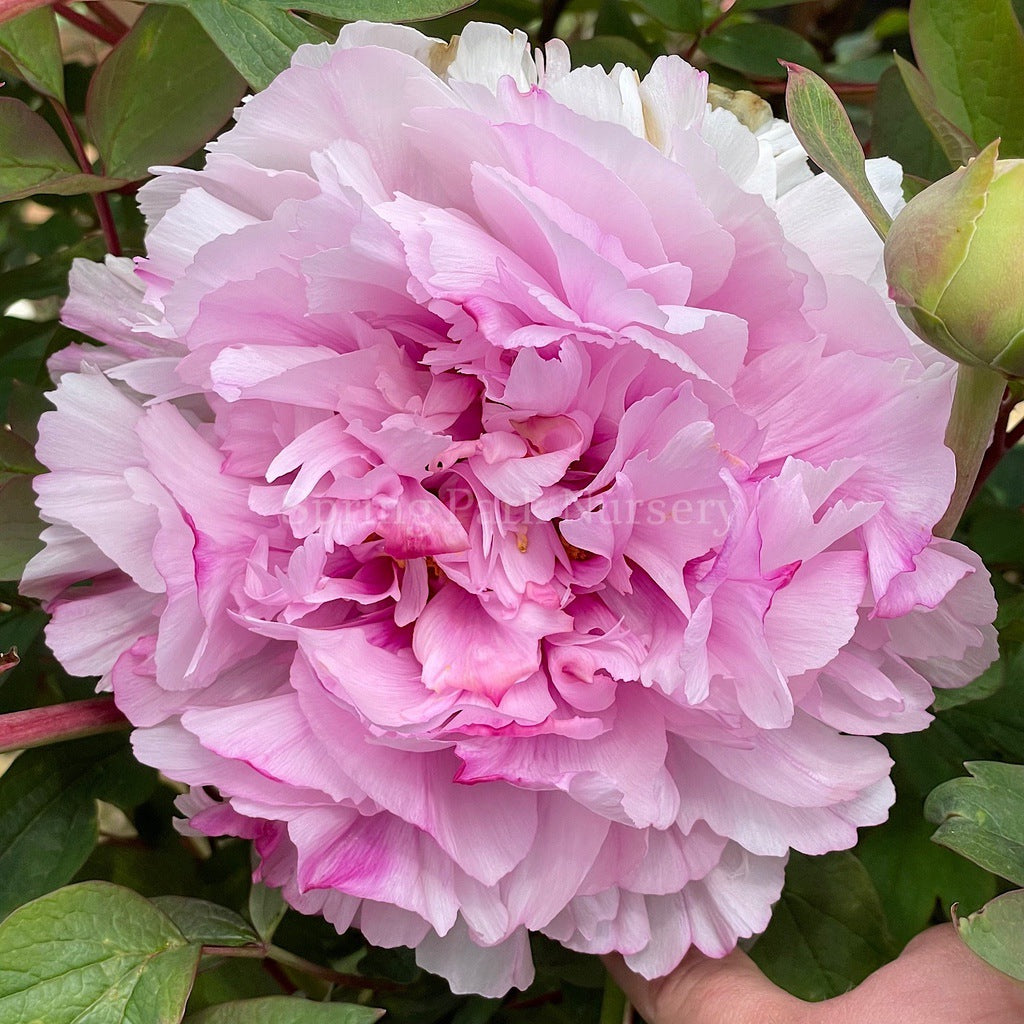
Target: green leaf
(93, 952)
(828, 930)
(761, 5)
(982, 818)
(898, 131)
(33, 159)
(257, 37)
(755, 49)
(31, 45)
(822, 126)
(48, 812)
(958, 147)
(914, 877)
(972, 54)
(681, 15)
(206, 923)
(996, 933)
(46, 830)
(285, 1010)
(376, 10)
(990, 681)
(20, 538)
(266, 908)
(16, 456)
(607, 51)
(146, 107)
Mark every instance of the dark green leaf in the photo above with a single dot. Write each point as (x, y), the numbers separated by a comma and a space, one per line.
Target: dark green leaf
(258, 38)
(48, 811)
(206, 923)
(828, 930)
(607, 51)
(988, 683)
(95, 952)
(145, 107)
(996, 933)
(982, 818)
(46, 830)
(822, 126)
(31, 45)
(983, 730)
(20, 538)
(916, 879)
(16, 456)
(266, 908)
(760, 5)
(375, 10)
(898, 131)
(681, 15)
(958, 147)
(285, 1010)
(33, 159)
(972, 54)
(232, 978)
(755, 49)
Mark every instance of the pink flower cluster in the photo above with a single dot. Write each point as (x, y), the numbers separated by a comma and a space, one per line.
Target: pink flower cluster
(507, 500)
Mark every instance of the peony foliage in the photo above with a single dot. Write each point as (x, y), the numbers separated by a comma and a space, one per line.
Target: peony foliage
(471, 503)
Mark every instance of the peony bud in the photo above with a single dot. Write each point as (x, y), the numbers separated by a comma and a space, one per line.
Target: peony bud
(955, 263)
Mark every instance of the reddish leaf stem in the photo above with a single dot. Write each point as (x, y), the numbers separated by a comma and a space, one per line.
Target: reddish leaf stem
(39, 726)
(98, 30)
(99, 199)
(1002, 441)
(704, 33)
(108, 17)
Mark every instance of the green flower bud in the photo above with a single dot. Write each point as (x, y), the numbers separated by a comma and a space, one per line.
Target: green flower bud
(955, 263)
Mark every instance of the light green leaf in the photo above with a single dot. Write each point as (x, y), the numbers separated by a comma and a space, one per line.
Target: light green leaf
(20, 538)
(266, 909)
(972, 54)
(755, 49)
(93, 952)
(34, 160)
(823, 127)
(206, 923)
(286, 1010)
(958, 147)
(145, 108)
(996, 933)
(828, 930)
(982, 818)
(31, 45)
(376, 10)
(257, 37)
(681, 15)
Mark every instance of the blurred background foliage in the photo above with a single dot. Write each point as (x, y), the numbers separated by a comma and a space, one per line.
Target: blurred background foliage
(85, 85)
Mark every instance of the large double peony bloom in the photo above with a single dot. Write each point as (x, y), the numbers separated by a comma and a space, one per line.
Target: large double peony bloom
(507, 500)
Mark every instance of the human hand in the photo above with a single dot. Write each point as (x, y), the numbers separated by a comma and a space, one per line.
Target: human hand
(935, 980)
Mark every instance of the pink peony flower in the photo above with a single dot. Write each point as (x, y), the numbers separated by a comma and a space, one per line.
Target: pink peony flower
(509, 488)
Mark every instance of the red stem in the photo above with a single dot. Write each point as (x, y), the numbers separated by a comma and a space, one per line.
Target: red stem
(704, 33)
(108, 17)
(39, 726)
(97, 29)
(863, 90)
(99, 199)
